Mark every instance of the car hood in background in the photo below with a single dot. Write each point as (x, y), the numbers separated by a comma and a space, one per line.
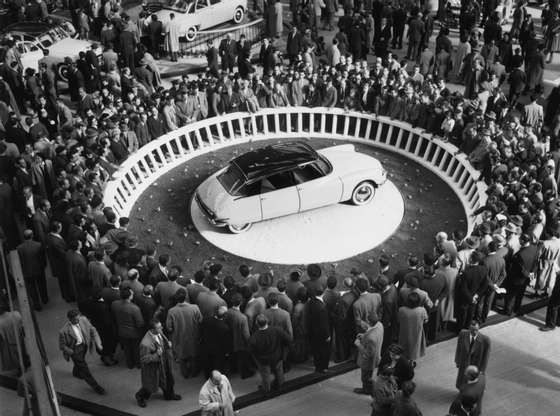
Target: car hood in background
(68, 47)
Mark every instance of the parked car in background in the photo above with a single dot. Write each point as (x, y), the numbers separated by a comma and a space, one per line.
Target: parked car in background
(32, 38)
(196, 15)
(285, 179)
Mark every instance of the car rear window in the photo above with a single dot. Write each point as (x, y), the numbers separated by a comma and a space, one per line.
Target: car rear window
(231, 179)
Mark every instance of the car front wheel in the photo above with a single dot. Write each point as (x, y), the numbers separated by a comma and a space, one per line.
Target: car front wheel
(191, 33)
(238, 15)
(238, 229)
(363, 193)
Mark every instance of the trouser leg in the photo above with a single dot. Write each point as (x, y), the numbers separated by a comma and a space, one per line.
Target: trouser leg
(264, 371)
(42, 286)
(552, 315)
(279, 373)
(366, 374)
(81, 368)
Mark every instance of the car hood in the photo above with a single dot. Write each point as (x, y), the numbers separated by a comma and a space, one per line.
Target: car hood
(213, 195)
(344, 159)
(68, 47)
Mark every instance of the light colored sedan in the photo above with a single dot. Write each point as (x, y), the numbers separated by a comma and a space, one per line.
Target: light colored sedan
(196, 15)
(285, 179)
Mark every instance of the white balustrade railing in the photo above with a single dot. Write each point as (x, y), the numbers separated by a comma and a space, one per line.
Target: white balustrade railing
(156, 158)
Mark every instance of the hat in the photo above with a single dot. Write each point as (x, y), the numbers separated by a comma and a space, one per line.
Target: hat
(550, 162)
(499, 239)
(143, 61)
(471, 243)
(517, 220)
(511, 228)
(396, 349)
(91, 133)
(501, 217)
(491, 115)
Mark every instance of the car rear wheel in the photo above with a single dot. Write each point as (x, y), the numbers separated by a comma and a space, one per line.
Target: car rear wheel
(363, 193)
(238, 15)
(191, 33)
(62, 72)
(238, 229)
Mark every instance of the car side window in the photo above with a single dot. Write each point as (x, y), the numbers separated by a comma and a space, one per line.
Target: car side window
(250, 189)
(213, 2)
(200, 4)
(278, 181)
(307, 173)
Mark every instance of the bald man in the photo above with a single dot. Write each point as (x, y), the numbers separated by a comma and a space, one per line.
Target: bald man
(216, 396)
(470, 393)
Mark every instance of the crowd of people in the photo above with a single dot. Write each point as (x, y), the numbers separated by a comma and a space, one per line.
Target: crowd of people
(58, 151)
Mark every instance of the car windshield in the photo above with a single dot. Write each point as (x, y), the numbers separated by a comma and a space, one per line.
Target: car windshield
(178, 5)
(231, 179)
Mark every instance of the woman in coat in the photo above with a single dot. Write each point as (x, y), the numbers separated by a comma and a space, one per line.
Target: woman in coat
(411, 327)
(463, 49)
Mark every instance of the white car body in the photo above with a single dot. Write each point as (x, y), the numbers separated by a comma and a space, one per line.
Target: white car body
(196, 15)
(345, 170)
(58, 40)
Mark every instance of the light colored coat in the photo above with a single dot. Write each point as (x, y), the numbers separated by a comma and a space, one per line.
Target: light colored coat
(211, 398)
(369, 347)
(411, 331)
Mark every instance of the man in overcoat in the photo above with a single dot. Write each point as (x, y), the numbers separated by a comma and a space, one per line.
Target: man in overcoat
(473, 348)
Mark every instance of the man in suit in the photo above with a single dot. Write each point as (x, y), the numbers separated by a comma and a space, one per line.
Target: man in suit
(369, 344)
(209, 301)
(267, 345)
(196, 287)
(216, 341)
(159, 272)
(390, 308)
(133, 283)
(98, 272)
(523, 269)
(76, 270)
(75, 339)
(469, 289)
(253, 306)
(183, 328)
(533, 113)
(239, 325)
(101, 317)
(367, 307)
(33, 263)
(212, 59)
(382, 38)
(56, 252)
(41, 222)
(155, 29)
(496, 267)
(416, 31)
(147, 304)
(278, 317)
(293, 44)
(469, 399)
(165, 290)
(317, 326)
(228, 51)
(156, 365)
(112, 292)
(473, 348)
(130, 325)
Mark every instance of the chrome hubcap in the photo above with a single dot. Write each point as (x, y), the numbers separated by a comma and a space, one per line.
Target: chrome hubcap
(363, 193)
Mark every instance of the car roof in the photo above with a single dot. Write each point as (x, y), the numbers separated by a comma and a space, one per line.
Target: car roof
(273, 159)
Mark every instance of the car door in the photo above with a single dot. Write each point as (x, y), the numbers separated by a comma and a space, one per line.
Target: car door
(219, 10)
(29, 55)
(204, 16)
(279, 196)
(317, 187)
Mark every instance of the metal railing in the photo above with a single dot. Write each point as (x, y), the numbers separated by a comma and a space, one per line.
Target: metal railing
(175, 148)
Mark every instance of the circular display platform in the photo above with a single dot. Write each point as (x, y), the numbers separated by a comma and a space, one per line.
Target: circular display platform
(327, 234)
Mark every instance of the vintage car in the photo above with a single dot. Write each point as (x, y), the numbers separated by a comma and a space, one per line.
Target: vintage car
(33, 37)
(285, 179)
(196, 15)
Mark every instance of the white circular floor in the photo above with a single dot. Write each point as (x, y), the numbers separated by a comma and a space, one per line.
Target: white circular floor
(328, 234)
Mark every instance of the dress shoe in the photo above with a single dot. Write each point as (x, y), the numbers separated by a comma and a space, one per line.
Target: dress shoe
(360, 390)
(547, 328)
(141, 402)
(173, 396)
(322, 370)
(100, 390)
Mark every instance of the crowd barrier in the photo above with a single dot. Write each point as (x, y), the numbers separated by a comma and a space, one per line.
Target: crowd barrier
(158, 157)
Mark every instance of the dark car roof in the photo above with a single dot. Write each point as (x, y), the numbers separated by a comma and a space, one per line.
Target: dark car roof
(32, 28)
(276, 158)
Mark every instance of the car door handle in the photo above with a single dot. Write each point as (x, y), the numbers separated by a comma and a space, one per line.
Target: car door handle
(262, 198)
